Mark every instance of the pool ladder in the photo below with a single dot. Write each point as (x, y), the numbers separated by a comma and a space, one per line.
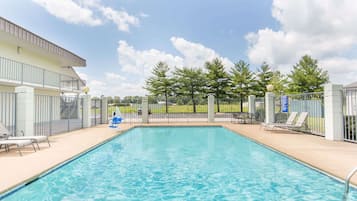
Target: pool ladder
(347, 183)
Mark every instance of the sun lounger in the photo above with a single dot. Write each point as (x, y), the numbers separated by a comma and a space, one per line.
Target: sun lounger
(300, 122)
(289, 121)
(36, 139)
(18, 143)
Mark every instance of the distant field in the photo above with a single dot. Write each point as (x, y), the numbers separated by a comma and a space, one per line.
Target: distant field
(180, 108)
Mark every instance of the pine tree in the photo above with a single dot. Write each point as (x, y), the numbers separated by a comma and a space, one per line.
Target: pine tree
(242, 80)
(189, 82)
(160, 84)
(217, 80)
(264, 77)
(306, 76)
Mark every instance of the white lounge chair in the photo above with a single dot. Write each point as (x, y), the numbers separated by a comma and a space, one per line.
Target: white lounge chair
(18, 143)
(289, 121)
(300, 122)
(36, 139)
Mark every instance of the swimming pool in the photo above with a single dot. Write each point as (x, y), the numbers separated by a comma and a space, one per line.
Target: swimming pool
(182, 163)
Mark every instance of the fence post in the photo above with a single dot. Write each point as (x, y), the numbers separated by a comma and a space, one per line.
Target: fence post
(269, 107)
(333, 112)
(25, 106)
(104, 110)
(210, 108)
(251, 104)
(145, 110)
(86, 111)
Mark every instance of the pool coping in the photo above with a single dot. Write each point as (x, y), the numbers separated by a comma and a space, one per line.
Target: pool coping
(16, 187)
(306, 164)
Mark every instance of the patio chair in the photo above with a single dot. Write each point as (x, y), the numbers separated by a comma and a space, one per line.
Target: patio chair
(18, 143)
(289, 121)
(36, 139)
(300, 123)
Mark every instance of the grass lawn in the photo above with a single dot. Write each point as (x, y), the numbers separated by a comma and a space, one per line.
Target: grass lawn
(179, 108)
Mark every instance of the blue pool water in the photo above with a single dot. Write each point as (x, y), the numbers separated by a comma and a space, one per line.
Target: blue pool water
(182, 163)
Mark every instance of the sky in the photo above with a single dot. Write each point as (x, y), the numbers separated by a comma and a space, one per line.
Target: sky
(122, 40)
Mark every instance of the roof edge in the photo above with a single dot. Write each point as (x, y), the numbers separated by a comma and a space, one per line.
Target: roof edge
(34, 39)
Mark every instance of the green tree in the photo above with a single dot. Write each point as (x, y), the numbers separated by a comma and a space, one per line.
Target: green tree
(306, 76)
(242, 80)
(217, 79)
(279, 81)
(189, 82)
(160, 84)
(264, 77)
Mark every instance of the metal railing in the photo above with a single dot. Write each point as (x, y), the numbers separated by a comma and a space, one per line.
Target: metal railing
(57, 114)
(260, 109)
(350, 114)
(347, 183)
(313, 103)
(96, 111)
(8, 111)
(21, 73)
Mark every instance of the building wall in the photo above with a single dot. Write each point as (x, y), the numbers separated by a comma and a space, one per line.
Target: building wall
(27, 56)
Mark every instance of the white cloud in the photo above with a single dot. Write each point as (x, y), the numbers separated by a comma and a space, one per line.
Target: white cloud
(83, 76)
(97, 87)
(70, 11)
(195, 54)
(121, 18)
(113, 84)
(83, 12)
(136, 66)
(141, 62)
(114, 76)
(323, 29)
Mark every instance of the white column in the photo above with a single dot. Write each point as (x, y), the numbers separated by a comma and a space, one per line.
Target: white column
(333, 112)
(145, 110)
(251, 104)
(86, 111)
(269, 108)
(25, 106)
(104, 110)
(210, 108)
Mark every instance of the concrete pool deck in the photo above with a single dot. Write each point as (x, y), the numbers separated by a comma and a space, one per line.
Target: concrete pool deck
(335, 158)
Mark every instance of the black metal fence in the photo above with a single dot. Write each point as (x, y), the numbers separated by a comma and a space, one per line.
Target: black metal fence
(96, 111)
(57, 114)
(260, 109)
(313, 103)
(8, 111)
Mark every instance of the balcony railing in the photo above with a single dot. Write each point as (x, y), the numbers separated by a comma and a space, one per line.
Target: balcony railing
(21, 73)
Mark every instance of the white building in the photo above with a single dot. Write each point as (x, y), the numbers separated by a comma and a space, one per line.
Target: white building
(27, 59)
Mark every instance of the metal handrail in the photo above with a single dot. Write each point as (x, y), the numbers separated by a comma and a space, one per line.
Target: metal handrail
(22, 72)
(347, 183)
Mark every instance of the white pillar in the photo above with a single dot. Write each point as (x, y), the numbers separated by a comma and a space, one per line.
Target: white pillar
(269, 108)
(86, 111)
(25, 106)
(333, 112)
(210, 108)
(104, 110)
(145, 110)
(251, 104)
